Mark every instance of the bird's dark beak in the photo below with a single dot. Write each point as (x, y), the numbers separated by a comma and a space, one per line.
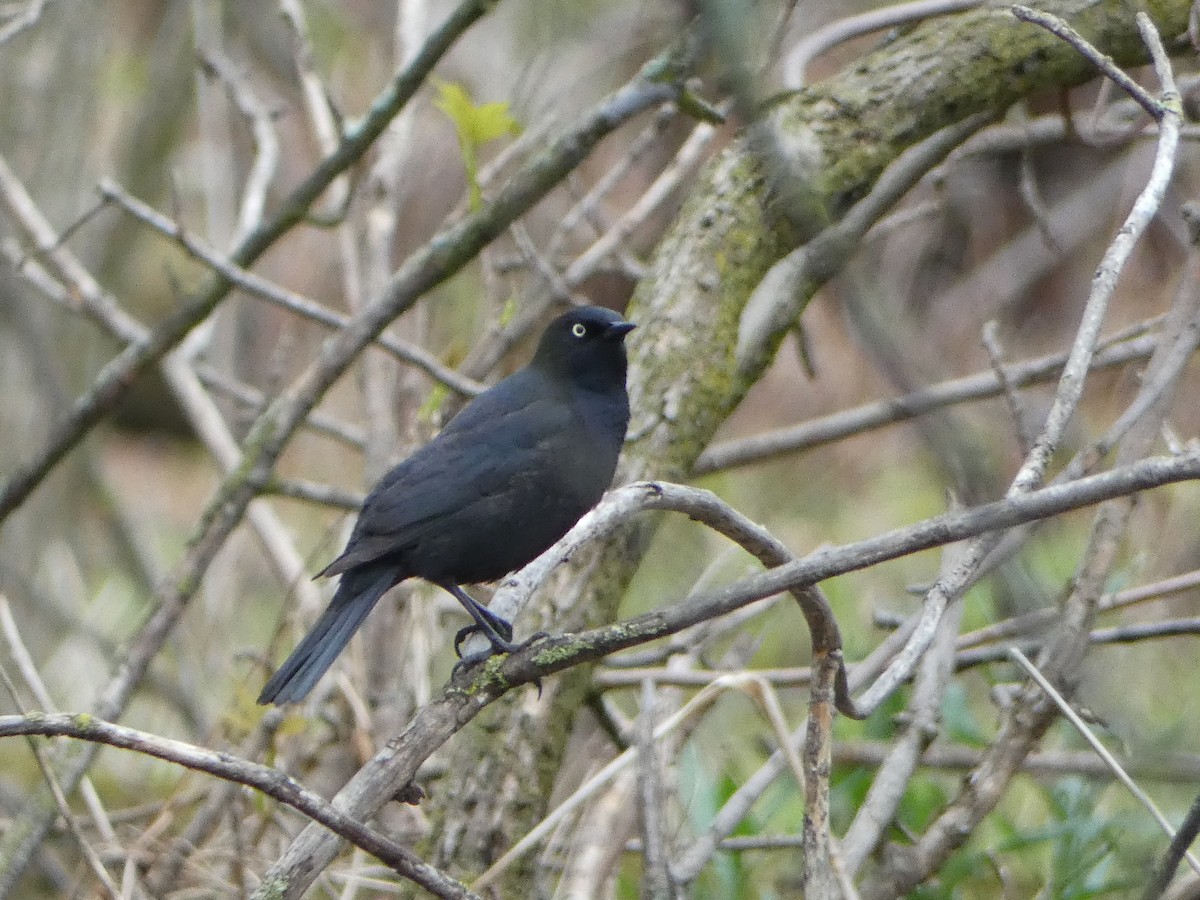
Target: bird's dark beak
(618, 330)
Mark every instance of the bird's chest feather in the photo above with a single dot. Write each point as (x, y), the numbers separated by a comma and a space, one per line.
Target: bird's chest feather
(568, 469)
(590, 447)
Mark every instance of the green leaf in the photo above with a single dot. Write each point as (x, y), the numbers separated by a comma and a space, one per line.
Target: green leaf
(491, 121)
(454, 101)
(437, 396)
(475, 126)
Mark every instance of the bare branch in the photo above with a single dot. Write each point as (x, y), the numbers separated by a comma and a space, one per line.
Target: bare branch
(1098, 748)
(86, 294)
(839, 425)
(1183, 839)
(113, 379)
(1030, 715)
(261, 119)
(784, 291)
(25, 662)
(269, 781)
(316, 98)
(1016, 407)
(257, 286)
(824, 39)
(919, 729)
(1174, 768)
(657, 879)
(23, 20)
(1101, 61)
(432, 726)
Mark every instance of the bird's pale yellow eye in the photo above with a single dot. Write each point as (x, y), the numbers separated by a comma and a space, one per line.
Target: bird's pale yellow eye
(579, 329)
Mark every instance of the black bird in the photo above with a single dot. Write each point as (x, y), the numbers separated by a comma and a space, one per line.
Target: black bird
(506, 478)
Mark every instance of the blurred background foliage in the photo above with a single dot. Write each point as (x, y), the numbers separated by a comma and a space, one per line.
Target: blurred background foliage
(117, 90)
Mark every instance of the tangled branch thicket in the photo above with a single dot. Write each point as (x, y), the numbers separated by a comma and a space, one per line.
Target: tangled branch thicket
(927, 317)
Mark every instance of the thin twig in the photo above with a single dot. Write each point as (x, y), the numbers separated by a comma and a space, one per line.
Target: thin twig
(1016, 408)
(1103, 284)
(1070, 388)
(839, 425)
(585, 208)
(656, 882)
(1101, 61)
(845, 29)
(254, 399)
(111, 383)
(1157, 887)
(86, 294)
(1037, 620)
(261, 119)
(1027, 186)
(687, 158)
(21, 655)
(396, 764)
(260, 287)
(314, 492)
(265, 779)
(1098, 748)
(1029, 716)
(23, 21)
(782, 293)
(1175, 768)
(316, 99)
(920, 728)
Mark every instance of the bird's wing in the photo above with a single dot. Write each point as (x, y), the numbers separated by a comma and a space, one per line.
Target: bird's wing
(480, 453)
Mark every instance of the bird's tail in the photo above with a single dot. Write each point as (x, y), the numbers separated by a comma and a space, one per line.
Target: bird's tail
(356, 595)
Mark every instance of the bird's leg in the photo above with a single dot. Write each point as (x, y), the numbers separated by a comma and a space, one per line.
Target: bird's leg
(494, 628)
(498, 631)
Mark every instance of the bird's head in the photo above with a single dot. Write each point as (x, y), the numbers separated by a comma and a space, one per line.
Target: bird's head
(587, 345)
